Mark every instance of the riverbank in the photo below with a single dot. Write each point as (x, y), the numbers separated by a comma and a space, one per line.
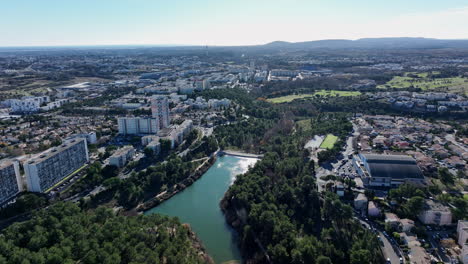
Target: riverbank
(197, 244)
(198, 205)
(165, 195)
(236, 219)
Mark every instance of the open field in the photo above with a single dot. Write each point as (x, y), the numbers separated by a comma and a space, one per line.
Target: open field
(31, 86)
(329, 142)
(454, 84)
(290, 98)
(337, 93)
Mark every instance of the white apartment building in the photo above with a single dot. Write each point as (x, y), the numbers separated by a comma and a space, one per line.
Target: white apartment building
(160, 110)
(155, 146)
(138, 125)
(462, 232)
(122, 156)
(217, 104)
(435, 214)
(148, 139)
(53, 165)
(176, 134)
(90, 137)
(464, 254)
(28, 104)
(10, 180)
(25, 106)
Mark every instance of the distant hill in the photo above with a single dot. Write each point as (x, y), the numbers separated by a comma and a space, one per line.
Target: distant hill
(369, 43)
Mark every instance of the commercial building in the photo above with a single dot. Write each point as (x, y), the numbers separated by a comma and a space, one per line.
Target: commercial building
(50, 167)
(137, 125)
(160, 110)
(387, 170)
(122, 156)
(10, 180)
(435, 214)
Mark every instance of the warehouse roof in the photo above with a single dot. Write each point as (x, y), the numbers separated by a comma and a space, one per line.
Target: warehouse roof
(394, 166)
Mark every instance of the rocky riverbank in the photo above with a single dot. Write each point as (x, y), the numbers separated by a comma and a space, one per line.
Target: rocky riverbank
(163, 196)
(198, 246)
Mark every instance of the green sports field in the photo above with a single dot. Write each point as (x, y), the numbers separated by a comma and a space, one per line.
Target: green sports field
(329, 142)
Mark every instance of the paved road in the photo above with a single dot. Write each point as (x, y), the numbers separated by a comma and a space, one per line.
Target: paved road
(388, 250)
(435, 244)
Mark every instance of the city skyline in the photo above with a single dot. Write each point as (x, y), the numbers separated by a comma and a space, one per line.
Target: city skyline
(216, 23)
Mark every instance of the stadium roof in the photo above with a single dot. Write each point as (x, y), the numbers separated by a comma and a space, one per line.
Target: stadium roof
(394, 166)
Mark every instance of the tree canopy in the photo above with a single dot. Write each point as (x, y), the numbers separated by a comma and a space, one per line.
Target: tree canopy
(63, 233)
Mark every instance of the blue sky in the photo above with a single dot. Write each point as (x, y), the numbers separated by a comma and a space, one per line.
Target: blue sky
(224, 22)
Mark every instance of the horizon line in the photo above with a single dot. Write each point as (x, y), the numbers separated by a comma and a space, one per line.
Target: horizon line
(206, 45)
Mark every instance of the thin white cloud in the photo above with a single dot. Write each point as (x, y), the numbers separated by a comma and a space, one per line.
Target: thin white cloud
(445, 24)
(450, 24)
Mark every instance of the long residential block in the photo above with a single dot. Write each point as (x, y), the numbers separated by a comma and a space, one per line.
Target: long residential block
(53, 165)
(10, 180)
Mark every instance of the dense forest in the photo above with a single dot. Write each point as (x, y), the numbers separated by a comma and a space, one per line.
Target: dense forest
(275, 206)
(63, 233)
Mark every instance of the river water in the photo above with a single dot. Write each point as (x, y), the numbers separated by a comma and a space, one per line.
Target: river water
(198, 205)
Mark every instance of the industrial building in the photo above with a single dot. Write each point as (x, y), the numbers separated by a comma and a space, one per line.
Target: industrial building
(10, 180)
(53, 165)
(387, 170)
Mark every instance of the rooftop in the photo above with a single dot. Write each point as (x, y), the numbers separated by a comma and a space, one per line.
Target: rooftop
(55, 151)
(5, 163)
(435, 206)
(394, 166)
(122, 151)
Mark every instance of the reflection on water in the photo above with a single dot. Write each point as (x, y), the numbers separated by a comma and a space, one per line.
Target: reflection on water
(242, 165)
(198, 205)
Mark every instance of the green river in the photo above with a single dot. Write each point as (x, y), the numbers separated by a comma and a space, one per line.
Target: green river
(198, 205)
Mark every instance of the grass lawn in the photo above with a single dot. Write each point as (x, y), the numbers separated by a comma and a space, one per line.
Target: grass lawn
(454, 84)
(290, 98)
(337, 93)
(329, 142)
